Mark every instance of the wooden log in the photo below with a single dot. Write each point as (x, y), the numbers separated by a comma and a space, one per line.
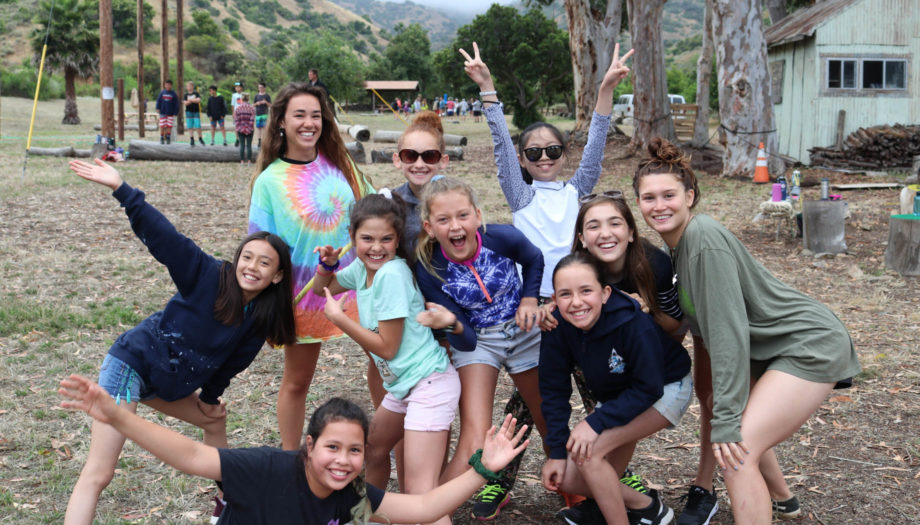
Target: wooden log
(823, 226)
(903, 252)
(356, 149)
(393, 136)
(385, 155)
(359, 133)
(66, 151)
(82, 153)
(183, 152)
(841, 119)
(130, 127)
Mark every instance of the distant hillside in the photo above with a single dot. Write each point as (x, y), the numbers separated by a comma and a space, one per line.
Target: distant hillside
(441, 25)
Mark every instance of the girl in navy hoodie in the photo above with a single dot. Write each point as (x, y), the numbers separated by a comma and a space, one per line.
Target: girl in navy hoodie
(639, 375)
(208, 332)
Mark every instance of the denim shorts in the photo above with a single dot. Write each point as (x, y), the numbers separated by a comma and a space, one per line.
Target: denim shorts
(431, 404)
(675, 400)
(122, 382)
(504, 345)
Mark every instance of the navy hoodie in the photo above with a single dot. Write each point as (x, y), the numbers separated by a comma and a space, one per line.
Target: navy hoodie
(183, 347)
(168, 102)
(626, 358)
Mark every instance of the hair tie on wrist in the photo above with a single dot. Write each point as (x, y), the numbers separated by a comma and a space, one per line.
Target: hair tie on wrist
(487, 93)
(476, 462)
(329, 268)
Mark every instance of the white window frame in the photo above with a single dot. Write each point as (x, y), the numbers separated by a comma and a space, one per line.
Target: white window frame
(860, 60)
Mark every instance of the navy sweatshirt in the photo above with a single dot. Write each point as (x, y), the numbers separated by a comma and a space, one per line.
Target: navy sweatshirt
(168, 102)
(456, 288)
(183, 347)
(626, 358)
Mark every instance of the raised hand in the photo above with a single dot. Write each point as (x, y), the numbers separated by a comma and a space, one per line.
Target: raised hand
(89, 397)
(617, 70)
(499, 448)
(100, 173)
(328, 254)
(334, 308)
(477, 70)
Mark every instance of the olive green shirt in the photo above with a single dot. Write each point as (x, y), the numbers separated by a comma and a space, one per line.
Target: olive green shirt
(744, 314)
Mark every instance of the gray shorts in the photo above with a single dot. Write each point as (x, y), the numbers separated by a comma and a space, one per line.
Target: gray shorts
(675, 400)
(503, 346)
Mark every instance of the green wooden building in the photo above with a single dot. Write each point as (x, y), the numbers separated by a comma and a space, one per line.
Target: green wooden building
(850, 55)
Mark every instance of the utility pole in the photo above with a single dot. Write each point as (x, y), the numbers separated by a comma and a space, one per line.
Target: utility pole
(106, 77)
(180, 67)
(164, 42)
(141, 102)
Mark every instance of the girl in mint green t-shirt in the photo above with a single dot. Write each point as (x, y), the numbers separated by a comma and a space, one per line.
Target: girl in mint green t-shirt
(423, 388)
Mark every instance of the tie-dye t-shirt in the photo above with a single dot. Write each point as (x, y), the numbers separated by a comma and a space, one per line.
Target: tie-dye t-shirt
(307, 205)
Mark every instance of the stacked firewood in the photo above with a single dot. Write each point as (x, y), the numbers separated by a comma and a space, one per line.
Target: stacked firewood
(872, 148)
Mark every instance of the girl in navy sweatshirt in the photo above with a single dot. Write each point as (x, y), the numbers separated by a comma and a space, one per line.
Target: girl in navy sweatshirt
(180, 359)
(639, 375)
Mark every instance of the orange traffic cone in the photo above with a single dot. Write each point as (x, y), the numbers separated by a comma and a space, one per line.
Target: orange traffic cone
(761, 174)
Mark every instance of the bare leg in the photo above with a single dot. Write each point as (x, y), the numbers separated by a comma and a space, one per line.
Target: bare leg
(386, 430)
(529, 387)
(702, 383)
(423, 466)
(104, 448)
(477, 393)
(773, 475)
(186, 409)
(779, 404)
(299, 366)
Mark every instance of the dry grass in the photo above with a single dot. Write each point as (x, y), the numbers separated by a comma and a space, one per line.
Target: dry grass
(74, 277)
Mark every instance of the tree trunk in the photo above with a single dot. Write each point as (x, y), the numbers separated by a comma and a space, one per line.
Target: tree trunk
(180, 66)
(70, 97)
(652, 113)
(703, 71)
(164, 43)
(141, 103)
(592, 35)
(777, 10)
(745, 101)
(106, 72)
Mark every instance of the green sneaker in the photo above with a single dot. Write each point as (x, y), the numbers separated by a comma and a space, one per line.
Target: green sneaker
(490, 501)
(633, 481)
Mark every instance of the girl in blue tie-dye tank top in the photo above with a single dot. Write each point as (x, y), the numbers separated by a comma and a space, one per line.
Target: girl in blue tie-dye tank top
(467, 273)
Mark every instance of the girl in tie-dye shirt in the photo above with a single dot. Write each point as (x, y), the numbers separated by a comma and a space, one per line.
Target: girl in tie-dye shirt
(304, 189)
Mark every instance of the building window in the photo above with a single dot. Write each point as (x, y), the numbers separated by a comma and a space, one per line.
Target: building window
(866, 74)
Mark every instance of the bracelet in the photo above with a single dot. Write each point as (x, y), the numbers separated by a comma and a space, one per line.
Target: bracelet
(476, 462)
(487, 93)
(450, 328)
(329, 268)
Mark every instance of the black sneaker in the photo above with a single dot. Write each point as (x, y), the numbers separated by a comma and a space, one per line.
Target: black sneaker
(162, 139)
(787, 510)
(701, 506)
(236, 144)
(633, 481)
(193, 142)
(201, 140)
(490, 501)
(585, 513)
(168, 139)
(657, 513)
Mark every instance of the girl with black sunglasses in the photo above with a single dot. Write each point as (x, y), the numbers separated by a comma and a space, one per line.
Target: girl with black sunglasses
(543, 207)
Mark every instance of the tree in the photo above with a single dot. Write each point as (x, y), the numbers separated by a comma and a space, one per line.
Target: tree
(408, 54)
(527, 54)
(124, 21)
(339, 68)
(652, 108)
(73, 45)
(703, 74)
(745, 101)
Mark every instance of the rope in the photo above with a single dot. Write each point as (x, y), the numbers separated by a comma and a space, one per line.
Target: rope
(38, 85)
(387, 104)
(345, 113)
(666, 115)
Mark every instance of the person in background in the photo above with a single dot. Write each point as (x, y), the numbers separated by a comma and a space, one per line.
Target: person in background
(192, 101)
(168, 108)
(244, 120)
(234, 102)
(263, 101)
(216, 110)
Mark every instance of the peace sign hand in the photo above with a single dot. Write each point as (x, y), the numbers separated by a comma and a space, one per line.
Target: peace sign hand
(477, 70)
(617, 70)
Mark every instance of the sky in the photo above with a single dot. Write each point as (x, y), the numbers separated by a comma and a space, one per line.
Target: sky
(469, 6)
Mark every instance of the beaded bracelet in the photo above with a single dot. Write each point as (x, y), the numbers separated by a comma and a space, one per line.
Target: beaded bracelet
(476, 462)
(329, 268)
(487, 93)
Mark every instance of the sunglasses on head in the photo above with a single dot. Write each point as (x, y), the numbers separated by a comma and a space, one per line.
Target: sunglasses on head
(535, 154)
(610, 194)
(409, 156)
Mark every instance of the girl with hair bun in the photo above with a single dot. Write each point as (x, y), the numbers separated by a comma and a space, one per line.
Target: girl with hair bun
(775, 352)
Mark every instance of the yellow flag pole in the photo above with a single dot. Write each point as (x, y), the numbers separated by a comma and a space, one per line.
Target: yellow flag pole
(345, 113)
(387, 104)
(38, 85)
(309, 286)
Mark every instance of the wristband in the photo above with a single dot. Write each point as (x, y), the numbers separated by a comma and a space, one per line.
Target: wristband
(329, 268)
(487, 93)
(476, 462)
(450, 328)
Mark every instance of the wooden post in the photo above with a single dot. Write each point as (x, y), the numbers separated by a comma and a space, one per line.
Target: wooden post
(106, 76)
(180, 67)
(903, 252)
(141, 101)
(121, 109)
(841, 120)
(164, 42)
(823, 226)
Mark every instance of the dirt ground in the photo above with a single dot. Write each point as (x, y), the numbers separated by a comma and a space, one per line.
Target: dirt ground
(74, 277)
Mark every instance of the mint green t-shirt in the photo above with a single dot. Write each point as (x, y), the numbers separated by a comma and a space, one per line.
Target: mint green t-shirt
(394, 295)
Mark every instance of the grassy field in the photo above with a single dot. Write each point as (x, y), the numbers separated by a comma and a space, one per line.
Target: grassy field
(74, 277)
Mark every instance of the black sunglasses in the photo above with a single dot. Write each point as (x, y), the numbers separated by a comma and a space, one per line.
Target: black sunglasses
(535, 154)
(409, 156)
(610, 194)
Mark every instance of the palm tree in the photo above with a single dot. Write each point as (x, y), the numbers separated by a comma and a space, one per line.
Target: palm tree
(73, 45)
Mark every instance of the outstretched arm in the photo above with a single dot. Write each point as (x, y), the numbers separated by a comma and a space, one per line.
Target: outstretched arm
(498, 450)
(173, 448)
(615, 73)
(100, 173)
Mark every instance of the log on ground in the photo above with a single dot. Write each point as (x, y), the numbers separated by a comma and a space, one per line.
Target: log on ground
(130, 127)
(183, 152)
(66, 151)
(903, 252)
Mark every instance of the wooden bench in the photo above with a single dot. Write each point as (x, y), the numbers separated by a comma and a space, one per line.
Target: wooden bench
(684, 117)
